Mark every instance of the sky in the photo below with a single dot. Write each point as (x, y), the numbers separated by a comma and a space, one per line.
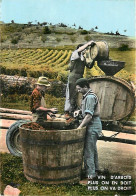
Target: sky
(107, 15)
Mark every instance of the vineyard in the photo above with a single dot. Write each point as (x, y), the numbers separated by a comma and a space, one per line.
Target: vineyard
(54, 63)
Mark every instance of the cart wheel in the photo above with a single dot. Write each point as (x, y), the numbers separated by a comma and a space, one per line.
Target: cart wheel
(13, 138)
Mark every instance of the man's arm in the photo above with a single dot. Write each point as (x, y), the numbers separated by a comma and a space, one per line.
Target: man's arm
(75, 55)
(80, 49)
(85, 121)
(52, 110)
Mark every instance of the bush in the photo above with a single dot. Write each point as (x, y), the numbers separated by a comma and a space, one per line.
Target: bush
(15, 38)
(3, 69)
(14, 41)
(83, 32)
(23, 72)
(9, 71)
(124, 47)
(58, 39)
(34, 74)
(57, 89)
(46, 30)
(50, 74)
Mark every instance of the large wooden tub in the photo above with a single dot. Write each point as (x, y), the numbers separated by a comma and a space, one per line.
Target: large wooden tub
(52, 156)
(116, 96)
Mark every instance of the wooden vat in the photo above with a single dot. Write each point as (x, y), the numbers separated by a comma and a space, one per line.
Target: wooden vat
(116, 97)
(52, 156)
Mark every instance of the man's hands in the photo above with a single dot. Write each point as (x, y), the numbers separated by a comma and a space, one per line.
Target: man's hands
(91, 43)
(87, 119)
(79, 127)
(76, 113)
(52, 110)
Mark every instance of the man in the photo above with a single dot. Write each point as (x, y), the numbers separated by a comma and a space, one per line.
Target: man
(90, 112)
(37, 101)
(77, 66)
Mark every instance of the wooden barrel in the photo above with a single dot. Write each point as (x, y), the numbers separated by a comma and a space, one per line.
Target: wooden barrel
(99, 51)
(116, 97)
(52, 156)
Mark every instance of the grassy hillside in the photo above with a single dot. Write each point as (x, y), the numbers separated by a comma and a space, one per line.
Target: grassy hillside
(42, 35)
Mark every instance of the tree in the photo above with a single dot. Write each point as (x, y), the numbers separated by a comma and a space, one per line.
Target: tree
(62, 25)
(117, 33)
(29, 24)
(111, 33)
(80, 27)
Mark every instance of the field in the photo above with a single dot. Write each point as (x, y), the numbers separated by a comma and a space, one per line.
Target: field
(53, 63)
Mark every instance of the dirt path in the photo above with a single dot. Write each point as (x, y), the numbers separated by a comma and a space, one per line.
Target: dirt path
(6, 123)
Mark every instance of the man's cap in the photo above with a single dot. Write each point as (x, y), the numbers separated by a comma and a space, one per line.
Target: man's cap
(82, 81)
(43, 81)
